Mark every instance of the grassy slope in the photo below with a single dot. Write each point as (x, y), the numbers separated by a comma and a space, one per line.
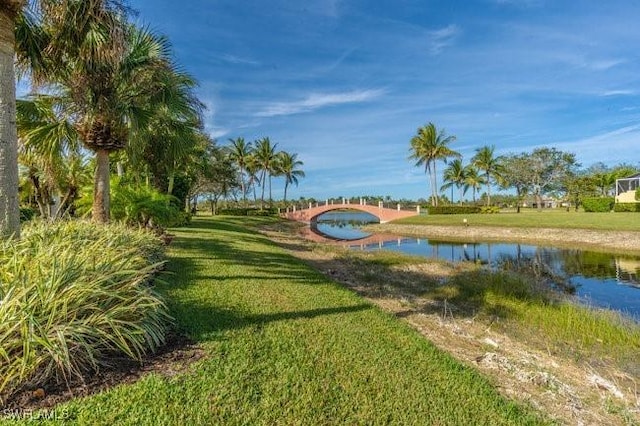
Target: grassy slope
(550, 218)
(285, 345)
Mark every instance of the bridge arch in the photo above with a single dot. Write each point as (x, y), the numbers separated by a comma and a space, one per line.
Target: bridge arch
(382, 213)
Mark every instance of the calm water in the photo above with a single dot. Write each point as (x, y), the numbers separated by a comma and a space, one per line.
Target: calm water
(604, 280)
(343, 225)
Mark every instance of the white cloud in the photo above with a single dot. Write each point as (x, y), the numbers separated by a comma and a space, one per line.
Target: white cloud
(318, 100)
(618, 93)
(233, 59)
(439, 39)
(613, 146)
(218, 132)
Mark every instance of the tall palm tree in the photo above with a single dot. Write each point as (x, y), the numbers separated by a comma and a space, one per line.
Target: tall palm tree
(253, 173)
(171, 132)
(491, 165)
(104, 67)
(265, 154)
(9, 205)
(287, 166)
(472, 180)
(239, 154)
(429, 146)
(454, 175)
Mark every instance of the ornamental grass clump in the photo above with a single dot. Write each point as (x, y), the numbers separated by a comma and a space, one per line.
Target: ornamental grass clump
(73, 296)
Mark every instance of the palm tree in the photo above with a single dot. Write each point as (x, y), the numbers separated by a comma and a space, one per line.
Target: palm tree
(239, 154)
(427, 147)
(287, 166)
(265, 154)
(454, 175)
(49, 149)
(9, 205)
(107, 70)
(171, 132)
(253, 171)
(472, 180)
(491, 166)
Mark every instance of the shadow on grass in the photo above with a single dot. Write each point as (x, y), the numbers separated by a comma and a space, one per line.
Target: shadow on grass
(204, 321)
(206, 261)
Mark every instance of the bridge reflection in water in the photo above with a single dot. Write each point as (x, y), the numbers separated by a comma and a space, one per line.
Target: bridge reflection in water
(598, 279)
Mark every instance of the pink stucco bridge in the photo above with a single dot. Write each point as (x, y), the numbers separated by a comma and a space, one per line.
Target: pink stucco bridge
(384, 214)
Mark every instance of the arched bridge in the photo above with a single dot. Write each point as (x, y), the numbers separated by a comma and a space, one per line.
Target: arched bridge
(379, 211)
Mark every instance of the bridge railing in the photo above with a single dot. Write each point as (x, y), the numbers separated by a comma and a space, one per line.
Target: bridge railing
(296, 206)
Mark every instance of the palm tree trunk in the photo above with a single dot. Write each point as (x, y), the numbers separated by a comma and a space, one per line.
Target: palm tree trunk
(488, 189)
(434, 188)
(9, 202)
(263, 185)
(243, 187)
(101, 196)
(270, 197)
(172, 178)
(286, 185)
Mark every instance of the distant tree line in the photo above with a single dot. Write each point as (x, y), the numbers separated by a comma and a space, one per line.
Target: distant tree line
(545, 171)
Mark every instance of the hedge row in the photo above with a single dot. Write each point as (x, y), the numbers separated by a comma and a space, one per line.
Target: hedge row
(248, 212)
(598, 204)
(454, 209)
(627, 207)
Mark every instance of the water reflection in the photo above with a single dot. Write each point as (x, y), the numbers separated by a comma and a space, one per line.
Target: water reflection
(342, 225)
(600, 279)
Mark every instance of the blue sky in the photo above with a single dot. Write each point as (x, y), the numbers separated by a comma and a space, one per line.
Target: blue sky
(346, 83)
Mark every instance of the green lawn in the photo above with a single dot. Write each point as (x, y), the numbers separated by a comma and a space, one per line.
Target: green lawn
(529, 218)
(285, 345)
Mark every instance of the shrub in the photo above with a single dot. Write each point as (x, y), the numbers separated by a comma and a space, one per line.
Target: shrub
(138, 205)
(26, 214)
(263, 212)
(626, 207)
(248, 211)
(489, 209)
(454, 210)
(638, 193)
(73, 296)
(598, 204)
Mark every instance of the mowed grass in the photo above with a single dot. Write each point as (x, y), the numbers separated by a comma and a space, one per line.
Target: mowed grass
(285, 345)
(531, 218)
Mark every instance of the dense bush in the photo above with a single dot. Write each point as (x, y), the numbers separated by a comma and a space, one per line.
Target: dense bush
(626, 207)
(139, 205)
(598, 204)
(26, 214)
(263, 212)
(489, 209)
(248, 211)
(454, 210)
(73, 296)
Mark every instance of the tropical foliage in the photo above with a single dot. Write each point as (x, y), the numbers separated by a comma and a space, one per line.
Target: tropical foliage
(258, 162)
(428, 147)
(114, 86)
(486, 161)
(73, 296)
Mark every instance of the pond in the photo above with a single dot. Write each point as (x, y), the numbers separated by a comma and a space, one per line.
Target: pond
(343, 224)
(598, 279)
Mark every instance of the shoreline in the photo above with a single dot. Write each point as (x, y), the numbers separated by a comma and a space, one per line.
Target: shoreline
(527, 372)
(623, 242)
